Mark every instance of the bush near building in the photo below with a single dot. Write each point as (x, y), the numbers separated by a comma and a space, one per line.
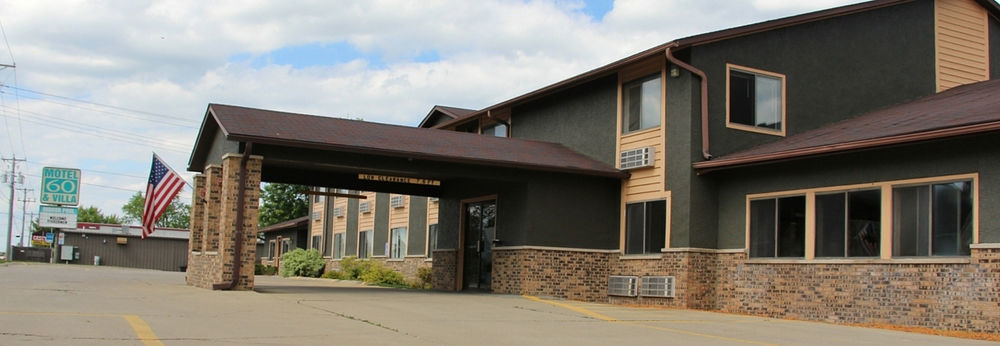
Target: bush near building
(301, 262)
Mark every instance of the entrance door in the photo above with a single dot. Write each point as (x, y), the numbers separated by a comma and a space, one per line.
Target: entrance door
(480, 230)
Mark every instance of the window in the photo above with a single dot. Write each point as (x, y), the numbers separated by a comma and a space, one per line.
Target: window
(286, 245)
(496, 130)
(756, 99)
(645, 227)
(470, 127)
(338, 245)
(270, 249)
(318, 198)
(848, 224)
(315, 242)
(365, 244)
(397, 246)
(432, 240)
(932, 220)
(778, 227)
(641, 100)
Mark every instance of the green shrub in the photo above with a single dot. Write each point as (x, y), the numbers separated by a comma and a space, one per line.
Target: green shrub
(260, 269)
(425, 277)
(301, 262)
(382, 276)
(335, 274)
(353, 267)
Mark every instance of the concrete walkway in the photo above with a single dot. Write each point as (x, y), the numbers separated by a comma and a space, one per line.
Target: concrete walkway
(45, 304)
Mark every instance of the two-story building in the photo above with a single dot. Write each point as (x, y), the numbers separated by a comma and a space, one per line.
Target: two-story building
(840, 165)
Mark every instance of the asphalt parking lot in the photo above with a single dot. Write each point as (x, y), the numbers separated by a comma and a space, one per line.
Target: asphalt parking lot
(44, 304)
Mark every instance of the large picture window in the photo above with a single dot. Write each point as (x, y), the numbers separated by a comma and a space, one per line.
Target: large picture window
(756, 99)
(932, 220)
(645, 227)
(848, 224)
(397, 242)
(641, 101)
(778, 227)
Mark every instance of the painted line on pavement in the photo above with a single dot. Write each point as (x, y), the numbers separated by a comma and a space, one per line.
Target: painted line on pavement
(615, 320)
(140, 327)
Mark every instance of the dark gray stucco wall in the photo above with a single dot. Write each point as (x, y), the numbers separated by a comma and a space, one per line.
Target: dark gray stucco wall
(835, 68)
(351, 239)
(582, 118)
(994, 47)
(957, 156)
(220, 146)
(381, 236)
(416, 234)
(692, 207)
(541, 209)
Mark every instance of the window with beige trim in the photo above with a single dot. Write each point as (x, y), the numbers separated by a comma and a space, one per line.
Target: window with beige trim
(641, 100)
(906, 218)
(755, 100)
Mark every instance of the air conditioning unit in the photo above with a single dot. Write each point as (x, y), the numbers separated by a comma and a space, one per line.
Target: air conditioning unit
(315, 215)
(365, 207)
(657, 286)
(626, 286)
(397, 202)
(338, 212)
(637, 158)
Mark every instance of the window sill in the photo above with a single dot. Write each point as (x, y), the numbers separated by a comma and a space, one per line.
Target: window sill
(922, 260)
(211, 253)
(755, 129)
(640, 132)
(395, 260)
(640, 257)
(429, 260)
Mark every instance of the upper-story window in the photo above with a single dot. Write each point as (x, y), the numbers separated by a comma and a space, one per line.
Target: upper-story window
(641, 102)
(496, 130)
(756, 100)
(470, 127)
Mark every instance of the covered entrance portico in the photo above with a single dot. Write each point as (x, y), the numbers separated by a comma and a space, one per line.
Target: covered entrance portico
(494, 192)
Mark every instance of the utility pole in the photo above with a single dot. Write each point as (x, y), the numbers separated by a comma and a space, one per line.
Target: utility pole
(27, 241)
(13, 178)
(24, 208)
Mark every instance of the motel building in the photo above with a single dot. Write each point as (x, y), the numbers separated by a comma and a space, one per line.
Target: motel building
(840, 165)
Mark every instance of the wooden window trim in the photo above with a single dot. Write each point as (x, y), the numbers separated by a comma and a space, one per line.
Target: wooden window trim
(784, 101)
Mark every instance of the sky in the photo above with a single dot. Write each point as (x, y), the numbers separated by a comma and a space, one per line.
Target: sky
(102, 85)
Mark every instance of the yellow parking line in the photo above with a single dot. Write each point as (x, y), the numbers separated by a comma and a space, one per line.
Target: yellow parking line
(140, 327)
(614, 320)
(142, 330)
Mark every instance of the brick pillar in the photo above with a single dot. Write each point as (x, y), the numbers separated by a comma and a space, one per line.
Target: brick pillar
(197, 223)
(228, 219)
(213, 191)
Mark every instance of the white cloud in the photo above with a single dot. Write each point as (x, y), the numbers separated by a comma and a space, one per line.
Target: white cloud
(175, 57)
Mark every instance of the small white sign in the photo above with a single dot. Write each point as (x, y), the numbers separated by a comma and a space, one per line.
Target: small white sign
(57, 217)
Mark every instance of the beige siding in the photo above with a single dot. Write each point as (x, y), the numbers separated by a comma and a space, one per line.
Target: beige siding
(961, 42)
(400, 217)
(645, 183)
(432, 212)
(340, 223)
(366, 221)
(316, 224)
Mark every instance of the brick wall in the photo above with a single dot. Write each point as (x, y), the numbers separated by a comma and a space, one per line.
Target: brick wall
(444, 269)
(951, 296)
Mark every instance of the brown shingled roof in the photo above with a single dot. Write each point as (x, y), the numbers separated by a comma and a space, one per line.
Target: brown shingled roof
(293, 223)
(450, 112)
(968, 109)
(353, 136)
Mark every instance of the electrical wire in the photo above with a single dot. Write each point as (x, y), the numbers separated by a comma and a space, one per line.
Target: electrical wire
(90, 170)
(101, 104)
(127, 139)
(188, 125)
(104, 129)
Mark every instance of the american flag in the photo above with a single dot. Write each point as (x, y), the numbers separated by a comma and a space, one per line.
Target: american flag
(164, 184)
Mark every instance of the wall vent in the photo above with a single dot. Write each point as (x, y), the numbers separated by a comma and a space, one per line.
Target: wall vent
(657, 286)
(365, 207)
(622, 285)
(338, 212)
(396, 202)
(637, 158)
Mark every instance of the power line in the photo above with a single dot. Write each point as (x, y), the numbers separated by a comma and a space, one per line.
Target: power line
(90, 170)
(101, 104)
(122, 139)
(62, 121)
(113, 113)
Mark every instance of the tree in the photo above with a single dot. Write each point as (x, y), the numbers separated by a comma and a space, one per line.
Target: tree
(177, 215)
(282, 202)
(93, 214)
